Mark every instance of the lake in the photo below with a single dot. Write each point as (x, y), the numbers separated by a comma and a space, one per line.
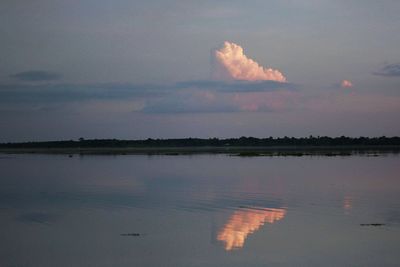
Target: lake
(199, 210)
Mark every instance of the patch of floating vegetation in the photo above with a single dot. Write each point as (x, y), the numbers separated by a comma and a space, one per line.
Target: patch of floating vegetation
(249, 154)
(173, 154)
(254, 151)
(372, 224)
(293, 154)
(130, 234)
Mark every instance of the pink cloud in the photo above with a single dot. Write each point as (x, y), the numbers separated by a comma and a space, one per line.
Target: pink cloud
(232, 63)
(346, 84)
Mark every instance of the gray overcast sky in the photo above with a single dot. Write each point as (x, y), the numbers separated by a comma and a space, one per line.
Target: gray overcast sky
(138, 69)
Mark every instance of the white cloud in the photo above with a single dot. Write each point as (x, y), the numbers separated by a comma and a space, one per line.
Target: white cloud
(232, 63)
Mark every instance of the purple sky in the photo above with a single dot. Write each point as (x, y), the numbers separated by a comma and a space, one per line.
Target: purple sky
(162, 69)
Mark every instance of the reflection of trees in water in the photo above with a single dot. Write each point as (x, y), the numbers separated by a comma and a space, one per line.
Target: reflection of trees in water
(245, 222)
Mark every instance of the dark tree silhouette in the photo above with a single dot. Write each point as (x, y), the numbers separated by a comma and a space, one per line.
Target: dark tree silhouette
(319, 141)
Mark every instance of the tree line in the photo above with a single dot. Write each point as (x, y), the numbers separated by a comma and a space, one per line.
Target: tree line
(214, 142)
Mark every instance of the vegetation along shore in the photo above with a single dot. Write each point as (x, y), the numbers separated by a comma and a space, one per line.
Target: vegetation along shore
(243, 146)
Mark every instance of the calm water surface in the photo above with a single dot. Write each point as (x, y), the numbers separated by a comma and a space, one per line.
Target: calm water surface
(202, 210)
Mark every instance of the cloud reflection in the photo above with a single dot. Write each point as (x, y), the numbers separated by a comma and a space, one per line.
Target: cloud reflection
(347, 204)
(245, 222)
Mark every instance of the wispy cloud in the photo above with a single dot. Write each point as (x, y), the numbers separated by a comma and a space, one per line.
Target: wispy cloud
(236, 86)
(170, 107)
(36, 76)
(205, 101)
(50, 93)
(183, 97)
(253, 89)
(232, 63)
(66, 92)
(389, 70)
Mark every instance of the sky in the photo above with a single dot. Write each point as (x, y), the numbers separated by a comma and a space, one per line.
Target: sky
(173, 68)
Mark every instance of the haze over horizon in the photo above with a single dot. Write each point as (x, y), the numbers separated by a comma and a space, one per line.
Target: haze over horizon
(172, 69)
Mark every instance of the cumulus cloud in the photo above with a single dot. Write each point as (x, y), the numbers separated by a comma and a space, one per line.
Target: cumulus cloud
(36, 76)
(390, 70)
(346, 84)
(231, 63)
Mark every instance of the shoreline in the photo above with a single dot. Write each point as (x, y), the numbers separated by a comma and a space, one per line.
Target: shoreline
(230, 150)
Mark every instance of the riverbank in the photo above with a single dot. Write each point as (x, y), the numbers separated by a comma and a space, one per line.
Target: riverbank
(247, 151)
